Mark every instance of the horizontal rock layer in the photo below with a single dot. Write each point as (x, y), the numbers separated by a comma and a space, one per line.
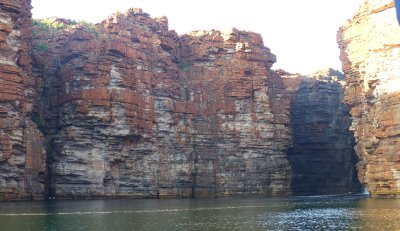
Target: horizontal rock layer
(370, 52)
(132, 109)
(322, 156)
(22, 150)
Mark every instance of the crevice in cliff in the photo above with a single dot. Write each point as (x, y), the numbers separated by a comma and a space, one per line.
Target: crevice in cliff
(322, 156)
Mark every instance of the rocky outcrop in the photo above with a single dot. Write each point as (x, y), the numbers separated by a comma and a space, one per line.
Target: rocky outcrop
(129, 108)
(322, 156)
(370, 52)
(22, 151)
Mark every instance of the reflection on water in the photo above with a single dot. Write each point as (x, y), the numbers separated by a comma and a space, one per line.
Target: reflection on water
(297, 213)
(379, 214)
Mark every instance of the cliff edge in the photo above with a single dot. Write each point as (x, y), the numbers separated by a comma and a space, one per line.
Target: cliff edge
(370, 52)
(131, 109)
(22, 146)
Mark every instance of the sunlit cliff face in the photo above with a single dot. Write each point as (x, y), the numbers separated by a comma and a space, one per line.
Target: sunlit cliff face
(133, 109)
(370, 52)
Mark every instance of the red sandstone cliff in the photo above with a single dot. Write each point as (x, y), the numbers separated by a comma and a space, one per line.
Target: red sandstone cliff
(132, 109)
(370, 52)
(22, 152)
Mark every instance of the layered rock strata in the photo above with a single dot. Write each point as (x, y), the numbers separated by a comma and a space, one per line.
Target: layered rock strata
(370, 52)
(322, 156)
(22, 150)
(132, 109)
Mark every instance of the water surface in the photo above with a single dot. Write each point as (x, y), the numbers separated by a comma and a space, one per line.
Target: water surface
(296, 213)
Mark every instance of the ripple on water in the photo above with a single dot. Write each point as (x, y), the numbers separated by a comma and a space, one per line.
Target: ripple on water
(310, 219)
(316, 213)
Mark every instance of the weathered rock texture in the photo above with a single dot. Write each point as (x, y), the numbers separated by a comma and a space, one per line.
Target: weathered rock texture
(322, 156)
(22, 152)
(370, 52)
(132, 109)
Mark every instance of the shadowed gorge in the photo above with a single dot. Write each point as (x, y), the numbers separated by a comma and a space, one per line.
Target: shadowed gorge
(322, 155)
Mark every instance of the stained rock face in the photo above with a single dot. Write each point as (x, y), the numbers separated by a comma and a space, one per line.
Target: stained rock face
(132, 109)
(127, 108)
(322, 156)
(22, 148)
(370, 52)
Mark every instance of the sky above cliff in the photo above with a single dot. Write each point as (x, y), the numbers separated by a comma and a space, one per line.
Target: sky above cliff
(301, 33)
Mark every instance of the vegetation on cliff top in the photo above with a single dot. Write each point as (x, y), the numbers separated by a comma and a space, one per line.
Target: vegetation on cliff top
(53, 25)
(44, 29)
(46, 25)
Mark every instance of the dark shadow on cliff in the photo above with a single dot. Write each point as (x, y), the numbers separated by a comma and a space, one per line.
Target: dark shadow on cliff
(322, 156)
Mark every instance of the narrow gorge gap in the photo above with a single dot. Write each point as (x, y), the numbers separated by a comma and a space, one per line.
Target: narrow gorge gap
(322, 156)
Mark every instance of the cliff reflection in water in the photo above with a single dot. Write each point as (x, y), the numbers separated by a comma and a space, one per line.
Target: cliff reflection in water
(297, 213)
(378, 214)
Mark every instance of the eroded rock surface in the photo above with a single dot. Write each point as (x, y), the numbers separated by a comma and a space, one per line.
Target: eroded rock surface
(322, 156)
(370, 52)
(22, 148)
(132, 109)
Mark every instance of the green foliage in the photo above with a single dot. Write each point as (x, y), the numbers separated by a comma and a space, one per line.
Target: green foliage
(36, 118)
(52, 26)
(184, 65)
(47, 25)
(74, 23)
(81, 23)
(41, 47)
(89, 26)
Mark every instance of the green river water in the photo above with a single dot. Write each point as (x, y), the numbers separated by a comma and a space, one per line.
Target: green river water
(295, 213)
